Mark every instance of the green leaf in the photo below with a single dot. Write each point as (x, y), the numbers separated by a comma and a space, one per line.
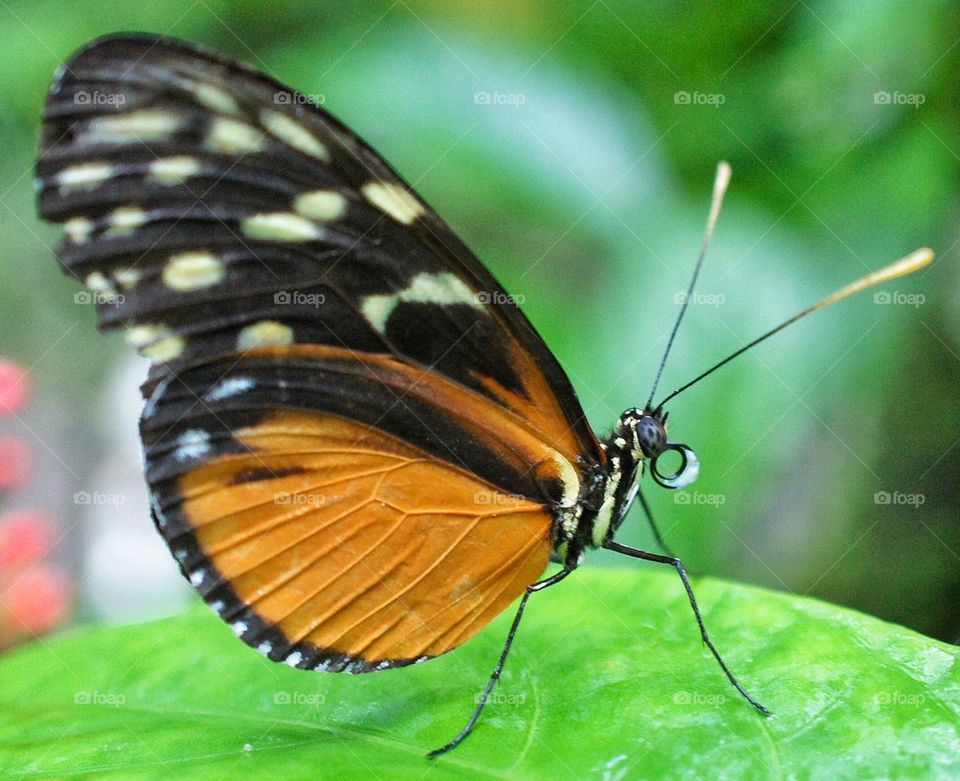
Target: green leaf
(608, 680)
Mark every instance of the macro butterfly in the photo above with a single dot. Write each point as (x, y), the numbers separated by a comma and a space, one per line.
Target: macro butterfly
(358, 449)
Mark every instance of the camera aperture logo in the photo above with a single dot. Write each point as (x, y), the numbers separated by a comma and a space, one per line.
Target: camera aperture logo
(98, 297)
(697, 698)
(497, 499)
(499, 298)
(496, 98)
(97, 498)
(899, 498)
(885, 297)
(98, 98)
(500, 698)
(898, 698)
(895, 98)
(698, 498)
(299, 499)
(695, 98)
(283, 98)
(299, 698)
(299, 298)
(103, 699)
(697, 298)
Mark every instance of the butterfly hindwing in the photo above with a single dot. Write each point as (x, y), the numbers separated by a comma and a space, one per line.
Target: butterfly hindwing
(330, 542)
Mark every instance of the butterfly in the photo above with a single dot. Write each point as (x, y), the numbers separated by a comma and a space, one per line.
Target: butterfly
(357, 447)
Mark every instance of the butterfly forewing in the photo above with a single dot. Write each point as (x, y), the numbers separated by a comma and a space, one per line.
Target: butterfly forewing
(356, 445)
(215, 210)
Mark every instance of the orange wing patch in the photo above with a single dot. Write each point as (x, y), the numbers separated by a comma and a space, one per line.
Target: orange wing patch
(345, 548)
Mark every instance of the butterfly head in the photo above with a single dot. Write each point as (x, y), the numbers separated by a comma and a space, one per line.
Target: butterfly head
(645, 433)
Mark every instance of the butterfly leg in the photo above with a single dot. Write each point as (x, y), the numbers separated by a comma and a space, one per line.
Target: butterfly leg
(678, 566)
(653, 525)
(540, 585)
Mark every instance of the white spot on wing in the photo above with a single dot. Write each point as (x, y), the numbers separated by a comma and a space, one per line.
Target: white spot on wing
(265, 647)
(156, 342)
(85, 176)
(440, 289)
(324, 205)
(124, 220)
(127, 277)
(280, 226)
(98, 282)
(193, 271)
(197, 576)
(174, 170)
(152, 124)
(229, 387)
(266, 333)
(239, 628)
(191, 444)
(234, 137)
(215, 98)
(293, 133)
(78, 229)
(393, 199)
(294, 659)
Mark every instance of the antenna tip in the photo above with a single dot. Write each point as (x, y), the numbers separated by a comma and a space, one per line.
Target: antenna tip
(922, 256)
(909, 263)
(724, 172)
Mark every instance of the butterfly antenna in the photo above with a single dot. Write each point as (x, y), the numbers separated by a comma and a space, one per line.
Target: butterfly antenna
(906, 265)
(719, 189)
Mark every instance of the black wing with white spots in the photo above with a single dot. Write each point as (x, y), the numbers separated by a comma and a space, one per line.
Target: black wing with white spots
(214, 210)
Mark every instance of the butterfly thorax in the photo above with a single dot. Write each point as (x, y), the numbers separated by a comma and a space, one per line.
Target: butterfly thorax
(609, 488)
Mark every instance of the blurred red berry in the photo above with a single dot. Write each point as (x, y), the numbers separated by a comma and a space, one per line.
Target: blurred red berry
(14, 386)
(26, 536)
(35, 594)
(34, 601)
(15, 462)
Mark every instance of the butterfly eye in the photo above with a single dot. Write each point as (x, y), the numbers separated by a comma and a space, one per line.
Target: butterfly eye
(685, 473)
(651, 435)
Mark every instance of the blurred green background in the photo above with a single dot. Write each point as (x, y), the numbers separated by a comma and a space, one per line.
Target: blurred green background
(573, 146)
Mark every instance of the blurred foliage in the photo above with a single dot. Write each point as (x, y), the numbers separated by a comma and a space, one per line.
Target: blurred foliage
(587, 195)
(853, 698)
